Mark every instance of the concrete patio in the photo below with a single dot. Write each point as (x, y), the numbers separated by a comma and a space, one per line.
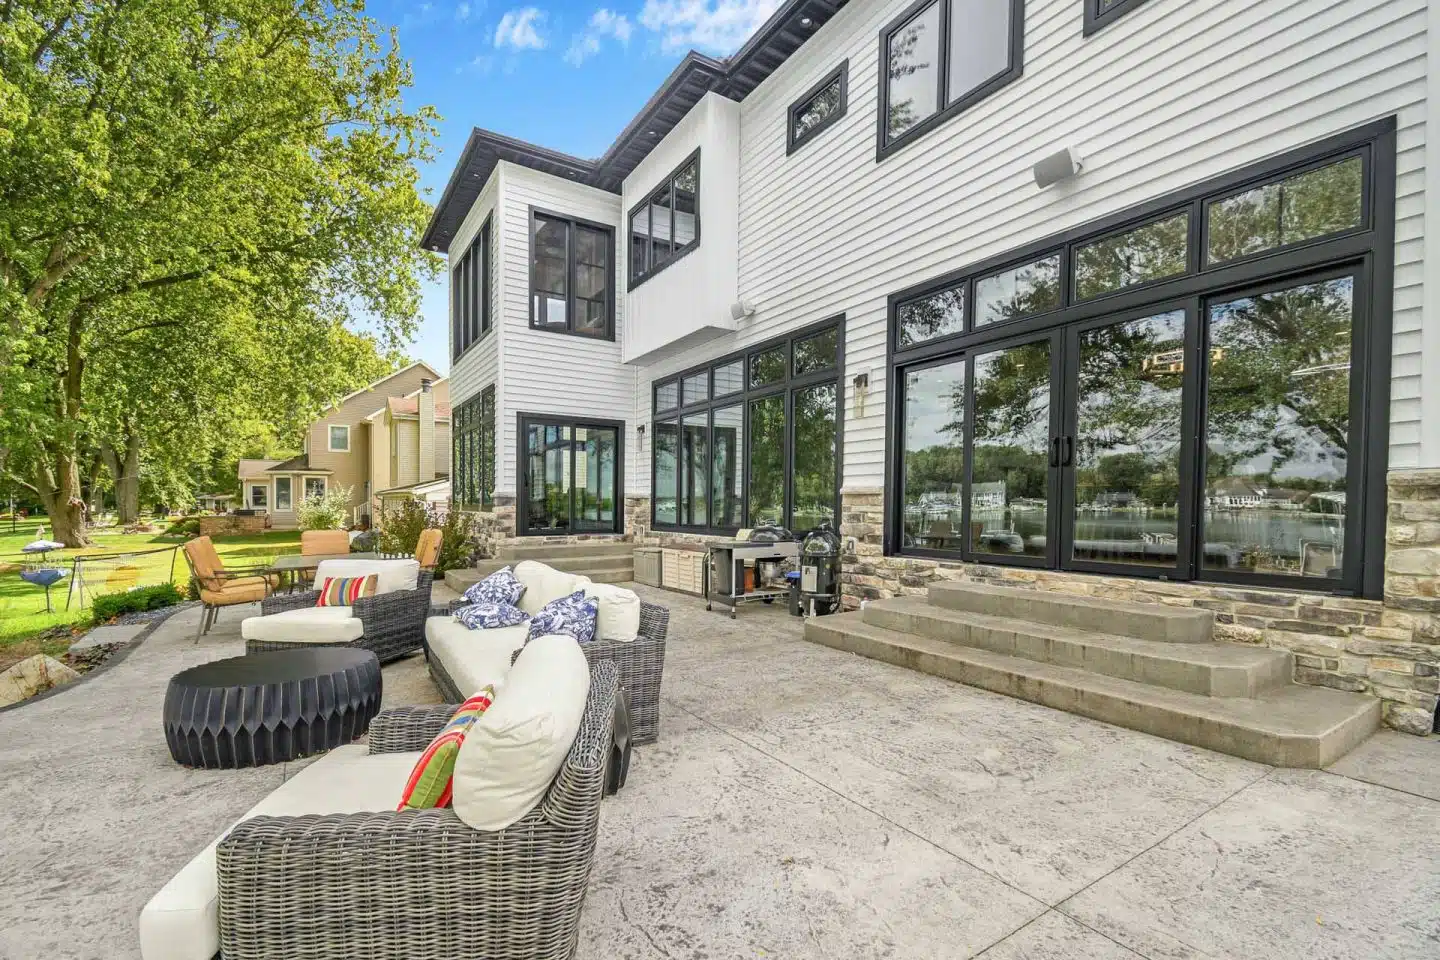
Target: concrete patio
(804, 803)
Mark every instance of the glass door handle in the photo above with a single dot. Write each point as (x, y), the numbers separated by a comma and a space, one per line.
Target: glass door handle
(1069, 457)
(1055, 452)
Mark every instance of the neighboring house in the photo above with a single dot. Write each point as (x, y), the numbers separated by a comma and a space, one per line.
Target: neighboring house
(394, 433)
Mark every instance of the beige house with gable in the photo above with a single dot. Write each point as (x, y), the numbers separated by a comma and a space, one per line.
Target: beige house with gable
(388, 441)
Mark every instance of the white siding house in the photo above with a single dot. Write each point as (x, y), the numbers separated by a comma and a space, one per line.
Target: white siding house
(782, 191)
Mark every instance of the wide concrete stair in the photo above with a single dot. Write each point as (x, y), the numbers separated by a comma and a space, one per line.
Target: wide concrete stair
(1149, 667)
(604, 561)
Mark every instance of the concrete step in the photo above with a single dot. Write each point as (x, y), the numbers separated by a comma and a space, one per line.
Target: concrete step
(1144, 621)
(545, 552)
(1289, 726)
(599, 569)
(1211, 669)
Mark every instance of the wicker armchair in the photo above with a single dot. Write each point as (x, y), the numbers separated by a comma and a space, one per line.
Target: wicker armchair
(394, 622)
(421, 884)
(641, 663)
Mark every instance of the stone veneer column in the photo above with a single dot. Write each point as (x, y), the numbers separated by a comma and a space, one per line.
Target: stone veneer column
(637, 518)
(1388, 649)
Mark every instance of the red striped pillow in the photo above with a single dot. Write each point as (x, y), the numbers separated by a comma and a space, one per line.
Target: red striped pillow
(344, 591)
(433, 778)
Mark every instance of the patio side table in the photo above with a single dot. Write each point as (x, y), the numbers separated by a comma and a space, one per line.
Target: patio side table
(270, 707)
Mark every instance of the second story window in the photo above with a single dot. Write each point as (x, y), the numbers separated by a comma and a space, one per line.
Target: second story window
(666, 225)
(821, 106)
(942, 56)
(1099, 13)
(339, 438)
(470, 293)
(571, 275)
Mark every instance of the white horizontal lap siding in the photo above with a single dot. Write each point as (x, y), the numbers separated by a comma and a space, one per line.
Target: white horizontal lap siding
(551, 373)
(1169, 95)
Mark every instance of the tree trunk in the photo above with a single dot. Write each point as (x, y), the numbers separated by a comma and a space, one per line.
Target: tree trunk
(126, 474)
(57, 474)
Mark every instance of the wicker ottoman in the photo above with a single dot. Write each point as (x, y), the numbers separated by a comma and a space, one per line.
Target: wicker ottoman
(270, 707)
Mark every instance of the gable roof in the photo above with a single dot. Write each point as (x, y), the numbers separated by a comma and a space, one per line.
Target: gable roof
(375, 384)
(696, 75)
(410, 406)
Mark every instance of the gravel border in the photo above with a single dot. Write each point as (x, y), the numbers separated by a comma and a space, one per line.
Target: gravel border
(154, 618)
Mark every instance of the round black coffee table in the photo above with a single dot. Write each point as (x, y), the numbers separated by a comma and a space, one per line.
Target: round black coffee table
(270, 707)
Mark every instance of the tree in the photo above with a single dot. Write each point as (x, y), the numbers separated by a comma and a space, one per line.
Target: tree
(171, 170)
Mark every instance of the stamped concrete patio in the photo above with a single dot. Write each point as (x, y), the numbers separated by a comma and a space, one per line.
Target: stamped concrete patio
(804, 803)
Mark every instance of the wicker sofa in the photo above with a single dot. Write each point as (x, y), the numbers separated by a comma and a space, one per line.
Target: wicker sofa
(332, 871)
(392, 624)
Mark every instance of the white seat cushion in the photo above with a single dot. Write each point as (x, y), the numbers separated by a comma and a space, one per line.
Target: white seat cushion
(619, 617)
(180, 922)
(473, 658)
(305, 625)
(513, 752)
(544, 583)
(392, 574)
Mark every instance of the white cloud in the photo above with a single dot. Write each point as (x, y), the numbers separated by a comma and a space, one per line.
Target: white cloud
(603, 23)
(716, 26)
(462, 12)
(521, 29)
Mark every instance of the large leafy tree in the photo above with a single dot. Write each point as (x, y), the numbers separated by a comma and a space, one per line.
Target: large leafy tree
(197, 194)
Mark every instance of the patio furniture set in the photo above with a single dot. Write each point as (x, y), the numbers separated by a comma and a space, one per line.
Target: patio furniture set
(327, 865)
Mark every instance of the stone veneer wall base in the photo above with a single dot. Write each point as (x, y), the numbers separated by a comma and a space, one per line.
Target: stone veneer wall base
(1388, 648)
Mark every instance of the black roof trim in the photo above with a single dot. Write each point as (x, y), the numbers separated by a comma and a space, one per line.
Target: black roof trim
(695, 75)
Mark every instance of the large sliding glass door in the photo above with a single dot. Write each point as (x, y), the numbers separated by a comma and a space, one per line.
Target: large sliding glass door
(1194, 393)
(569, 476)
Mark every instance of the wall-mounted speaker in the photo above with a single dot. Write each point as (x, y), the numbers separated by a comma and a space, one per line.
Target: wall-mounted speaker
(1057, 167)
(741, 309)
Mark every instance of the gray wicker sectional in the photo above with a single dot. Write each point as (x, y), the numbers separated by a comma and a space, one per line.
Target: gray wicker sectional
(394, 622)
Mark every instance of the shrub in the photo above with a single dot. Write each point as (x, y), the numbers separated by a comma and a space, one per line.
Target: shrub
(112, 605)
(327, 511)
(184, 527)
(401, 529)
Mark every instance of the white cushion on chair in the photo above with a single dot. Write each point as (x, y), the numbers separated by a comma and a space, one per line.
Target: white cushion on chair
(392, 575)
(544, 583)
(619, 617)
(305, 625)
(181, 921)
(515, 749)
(473, 658)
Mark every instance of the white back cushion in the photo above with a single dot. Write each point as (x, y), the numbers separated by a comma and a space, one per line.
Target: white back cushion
(619, 617)
(515, 749)
(392, 574)
(473, 658)
(544, 584)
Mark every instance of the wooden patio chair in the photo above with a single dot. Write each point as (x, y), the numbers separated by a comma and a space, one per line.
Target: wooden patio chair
(222, 587)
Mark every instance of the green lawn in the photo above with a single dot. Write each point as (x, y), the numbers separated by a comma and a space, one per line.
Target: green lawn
(22, 605)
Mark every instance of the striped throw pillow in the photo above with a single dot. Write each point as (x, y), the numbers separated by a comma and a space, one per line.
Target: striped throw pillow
(344, 591)
(431, 781)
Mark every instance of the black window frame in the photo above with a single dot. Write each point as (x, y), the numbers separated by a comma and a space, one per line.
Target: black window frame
(1366, 251)
(522, 493)
(785, 388)
(840, 74)
(472, 452)
(948, 109)
(471, 283)
(1097, 19)
(666, 185)
(571, 314)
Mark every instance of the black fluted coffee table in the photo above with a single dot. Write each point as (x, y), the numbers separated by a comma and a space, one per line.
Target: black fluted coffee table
(270, 707)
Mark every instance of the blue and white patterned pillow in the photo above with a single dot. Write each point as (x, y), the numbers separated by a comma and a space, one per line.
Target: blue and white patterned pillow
(500, 587)
(574, 616)
(484, 616)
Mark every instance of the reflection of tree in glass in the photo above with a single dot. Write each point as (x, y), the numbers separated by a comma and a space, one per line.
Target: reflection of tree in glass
(767, 461)
(768, 367)
(1146, 253)
(814, 468)
(1129, 399)
(1279, 384)
(934, 450)
(933, 316)
(1012, 419)
(1307, 205)
(820, 107)
(1019, 292)
(902, 114)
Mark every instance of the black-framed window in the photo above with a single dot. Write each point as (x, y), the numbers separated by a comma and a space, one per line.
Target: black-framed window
(572, 275)
(752, 438)
(666, 224)
(1101, 13)
(818, 108)
(472, 452)
(1196, 388)
(570, 475)
(939, 58)
(470, 282)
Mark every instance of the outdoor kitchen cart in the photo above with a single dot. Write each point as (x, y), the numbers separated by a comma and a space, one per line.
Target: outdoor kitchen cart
(724, 572)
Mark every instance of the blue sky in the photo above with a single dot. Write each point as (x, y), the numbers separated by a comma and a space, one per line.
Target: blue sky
(566, 74)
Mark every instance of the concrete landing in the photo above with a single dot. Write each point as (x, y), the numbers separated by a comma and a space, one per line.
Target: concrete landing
(1145, 621)
(1291, 726)
(604, 561)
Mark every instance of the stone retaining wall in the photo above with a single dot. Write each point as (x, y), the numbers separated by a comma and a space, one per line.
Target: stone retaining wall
(229, 525)
(1389, 648)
